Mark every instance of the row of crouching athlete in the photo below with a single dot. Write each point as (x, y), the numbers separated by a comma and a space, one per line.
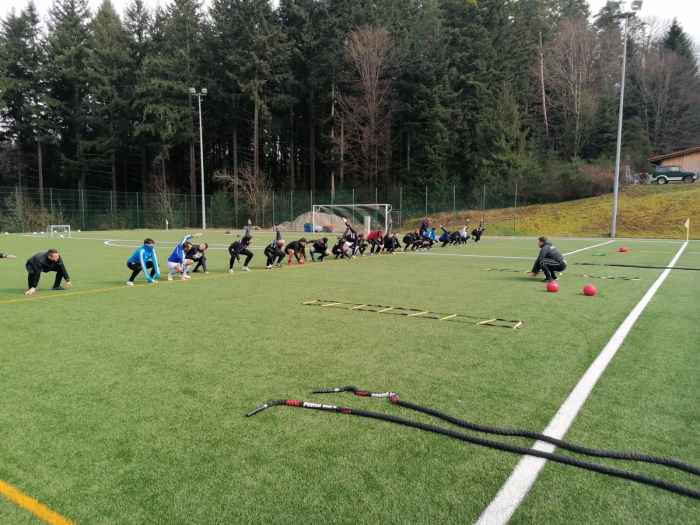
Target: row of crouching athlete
(189, 257)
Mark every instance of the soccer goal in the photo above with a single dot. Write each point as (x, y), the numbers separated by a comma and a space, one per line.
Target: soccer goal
(59, 230)
(363, 217)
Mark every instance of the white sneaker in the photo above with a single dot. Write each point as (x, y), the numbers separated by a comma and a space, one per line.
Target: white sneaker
(231, 270)
(170, 277)
(187, 276)
(353, 257)
(245, 269)
(268, 267)
(154, 281)
(129, 283)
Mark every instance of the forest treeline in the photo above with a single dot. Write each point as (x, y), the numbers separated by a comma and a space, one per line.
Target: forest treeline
(323, 95)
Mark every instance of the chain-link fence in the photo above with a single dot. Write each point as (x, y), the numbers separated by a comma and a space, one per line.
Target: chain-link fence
(29, 209)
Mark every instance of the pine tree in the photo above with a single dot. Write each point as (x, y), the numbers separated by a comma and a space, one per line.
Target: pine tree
(430, 103)
(168, 109)
(137, 21)
(261, 66)
(69, 81)
(26, 101)
(501, 143)
(677, 40)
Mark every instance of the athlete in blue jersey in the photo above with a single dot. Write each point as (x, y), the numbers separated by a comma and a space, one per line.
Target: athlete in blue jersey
(177, 262)
(143, 259)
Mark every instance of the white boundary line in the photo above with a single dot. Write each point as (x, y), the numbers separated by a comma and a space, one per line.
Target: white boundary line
(465, 255)
(588, 248)
(516, 487)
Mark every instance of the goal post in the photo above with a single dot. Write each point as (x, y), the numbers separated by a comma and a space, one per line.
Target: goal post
(362, 217)
(59, 230)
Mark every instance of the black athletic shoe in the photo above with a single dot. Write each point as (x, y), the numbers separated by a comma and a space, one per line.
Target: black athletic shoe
(546, 280)
(58, 288)
(196, 271)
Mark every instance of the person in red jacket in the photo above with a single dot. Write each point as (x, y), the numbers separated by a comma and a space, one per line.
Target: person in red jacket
(375, 238)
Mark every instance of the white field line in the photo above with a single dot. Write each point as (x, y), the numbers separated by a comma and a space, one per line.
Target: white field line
(516, 487)
(588, 248)
(112, 241)
(465, 255)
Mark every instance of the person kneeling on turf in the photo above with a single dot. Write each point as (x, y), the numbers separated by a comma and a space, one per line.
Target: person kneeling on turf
(274, 250)
(143, 259)
(298, 250)
(549, 260)
(319, 246)
(46, 262)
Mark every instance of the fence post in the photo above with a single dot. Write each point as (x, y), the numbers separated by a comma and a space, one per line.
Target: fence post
(51, 203)
(19, 210)
(454, 205)
(273, 208)
(515, 208)
(376, 198)
(483, 207)
(426, 201)
(111, 207)
(291, 205)
(138, 219)
(82, 206)
(400, 204)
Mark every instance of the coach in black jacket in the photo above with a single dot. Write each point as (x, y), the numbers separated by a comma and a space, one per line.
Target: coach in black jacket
(549, 260)
(46, 262)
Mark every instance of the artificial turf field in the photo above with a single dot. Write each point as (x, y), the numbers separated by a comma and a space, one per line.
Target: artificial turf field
(126, 405)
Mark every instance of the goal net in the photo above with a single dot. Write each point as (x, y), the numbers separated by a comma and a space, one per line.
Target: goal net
(362, 217)
(59, 230)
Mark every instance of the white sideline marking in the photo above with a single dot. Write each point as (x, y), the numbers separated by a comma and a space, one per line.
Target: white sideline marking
(588, 248)
(516, 487)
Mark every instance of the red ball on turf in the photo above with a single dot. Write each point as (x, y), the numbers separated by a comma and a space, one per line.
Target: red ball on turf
(589, 290)
(623, 249)
(552, 287)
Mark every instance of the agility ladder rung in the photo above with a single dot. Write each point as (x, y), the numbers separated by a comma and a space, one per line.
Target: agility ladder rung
(412, 312)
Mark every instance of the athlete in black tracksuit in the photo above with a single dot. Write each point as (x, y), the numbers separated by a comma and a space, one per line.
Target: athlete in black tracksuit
(318, 247)
(196, 253)
(240, 247)
(46, 262)
(549, 260)
(410, 239)
(299, 248)
(274, 251)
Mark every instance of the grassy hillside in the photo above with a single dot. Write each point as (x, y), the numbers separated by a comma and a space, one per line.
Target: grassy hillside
(643, 212)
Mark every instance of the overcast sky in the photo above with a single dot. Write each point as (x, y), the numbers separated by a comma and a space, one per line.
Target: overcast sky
(687, 11)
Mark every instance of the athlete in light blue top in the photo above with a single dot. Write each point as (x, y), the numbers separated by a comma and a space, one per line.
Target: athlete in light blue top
(177, 262)
(142, 259)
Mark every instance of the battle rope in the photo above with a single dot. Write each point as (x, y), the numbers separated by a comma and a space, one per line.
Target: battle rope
(507, 447)
(634, 266)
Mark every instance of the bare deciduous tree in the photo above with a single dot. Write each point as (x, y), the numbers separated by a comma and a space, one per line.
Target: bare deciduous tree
(254, 187)
(367, 108)
(576, 70)
(667, 94)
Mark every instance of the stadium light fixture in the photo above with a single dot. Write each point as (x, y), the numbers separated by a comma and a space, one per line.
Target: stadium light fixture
(199, 96)
(616, 8)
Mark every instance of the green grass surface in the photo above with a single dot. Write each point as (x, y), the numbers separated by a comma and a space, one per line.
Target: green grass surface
(126, 406)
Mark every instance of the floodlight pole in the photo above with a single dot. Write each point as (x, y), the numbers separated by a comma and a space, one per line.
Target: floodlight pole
(636, 6)
(201, 152)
